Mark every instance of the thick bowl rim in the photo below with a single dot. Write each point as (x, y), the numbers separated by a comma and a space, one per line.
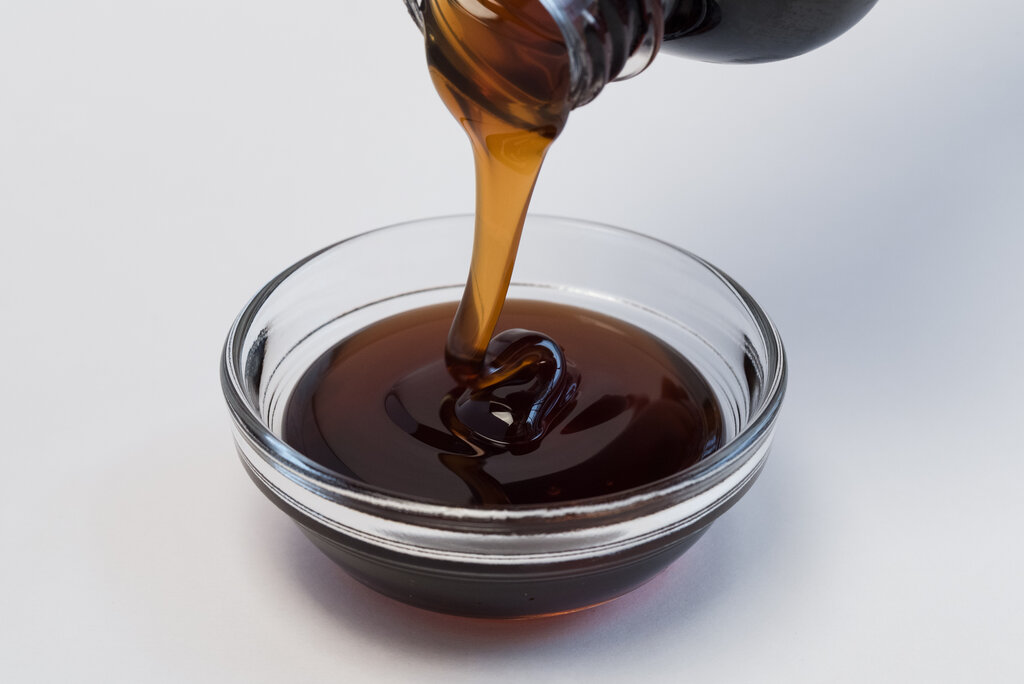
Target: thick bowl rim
(341, 489)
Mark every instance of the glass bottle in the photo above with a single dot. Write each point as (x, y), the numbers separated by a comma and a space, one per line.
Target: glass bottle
(612, 40)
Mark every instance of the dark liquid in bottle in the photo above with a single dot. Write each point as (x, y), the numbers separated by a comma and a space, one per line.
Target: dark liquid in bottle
(373, 408)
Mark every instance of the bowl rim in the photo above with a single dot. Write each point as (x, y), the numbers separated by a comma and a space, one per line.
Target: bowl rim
(343, 490)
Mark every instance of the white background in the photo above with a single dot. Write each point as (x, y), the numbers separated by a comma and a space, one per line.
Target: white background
(159, 161)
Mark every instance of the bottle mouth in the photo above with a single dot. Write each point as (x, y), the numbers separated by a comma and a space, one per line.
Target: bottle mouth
(415, 8)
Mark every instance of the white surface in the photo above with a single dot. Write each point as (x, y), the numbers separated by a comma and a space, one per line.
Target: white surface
(160, 161)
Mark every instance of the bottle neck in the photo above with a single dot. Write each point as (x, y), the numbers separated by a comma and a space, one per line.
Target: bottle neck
(607, 40)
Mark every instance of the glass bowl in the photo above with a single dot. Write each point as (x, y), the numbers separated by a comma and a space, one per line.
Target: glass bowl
(516, 560)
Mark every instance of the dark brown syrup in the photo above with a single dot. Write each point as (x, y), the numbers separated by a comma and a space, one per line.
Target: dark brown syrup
(373, 409)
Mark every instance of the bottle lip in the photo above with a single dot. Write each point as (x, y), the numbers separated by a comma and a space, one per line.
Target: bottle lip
(585, 83)
(415, 8)
(329, 497)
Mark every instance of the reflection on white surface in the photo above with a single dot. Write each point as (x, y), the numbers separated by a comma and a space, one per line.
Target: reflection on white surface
(159, 162)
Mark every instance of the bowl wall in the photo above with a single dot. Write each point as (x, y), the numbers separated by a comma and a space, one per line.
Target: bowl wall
(518, 560)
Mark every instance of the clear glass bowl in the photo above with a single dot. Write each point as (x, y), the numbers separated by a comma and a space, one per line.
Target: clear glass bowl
(512, 561)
